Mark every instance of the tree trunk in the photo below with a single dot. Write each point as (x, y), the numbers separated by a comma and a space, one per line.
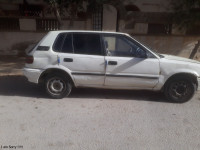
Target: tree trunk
(194, 51)
(73, 12)
(71, 24)
(57, 14)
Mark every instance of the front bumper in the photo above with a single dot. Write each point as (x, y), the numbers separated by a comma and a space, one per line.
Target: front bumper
(32, 75)
(198, 80)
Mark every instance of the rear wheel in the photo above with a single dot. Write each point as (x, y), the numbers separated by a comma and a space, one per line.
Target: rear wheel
(57, 86)
(180, 90)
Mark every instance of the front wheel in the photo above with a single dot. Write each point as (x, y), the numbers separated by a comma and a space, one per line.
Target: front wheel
(57, 86)
(180, 90)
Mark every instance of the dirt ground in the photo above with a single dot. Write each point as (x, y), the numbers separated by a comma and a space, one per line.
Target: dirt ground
(11, 65)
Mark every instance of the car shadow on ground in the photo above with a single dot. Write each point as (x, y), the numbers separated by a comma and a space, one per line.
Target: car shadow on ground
(19, 86)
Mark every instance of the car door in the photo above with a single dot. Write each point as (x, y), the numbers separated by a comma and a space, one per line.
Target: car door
(81, 53)
(129, 64)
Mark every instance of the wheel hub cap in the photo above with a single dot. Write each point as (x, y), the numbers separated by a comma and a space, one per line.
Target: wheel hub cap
(56, 86)
(179, 89)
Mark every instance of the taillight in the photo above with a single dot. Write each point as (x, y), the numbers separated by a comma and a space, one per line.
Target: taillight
(29, 59)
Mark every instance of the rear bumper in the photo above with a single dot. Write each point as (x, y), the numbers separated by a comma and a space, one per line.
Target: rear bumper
(198, 80)
(32, 75)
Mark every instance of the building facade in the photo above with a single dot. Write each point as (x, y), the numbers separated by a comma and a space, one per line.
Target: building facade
(145, 17)
(148, 21)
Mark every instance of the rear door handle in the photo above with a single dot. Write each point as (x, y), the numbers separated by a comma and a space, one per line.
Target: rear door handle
(68, 60)
(112, 62)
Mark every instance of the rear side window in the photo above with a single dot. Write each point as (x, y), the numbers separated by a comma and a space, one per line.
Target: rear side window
(78, 43)
(88, 44)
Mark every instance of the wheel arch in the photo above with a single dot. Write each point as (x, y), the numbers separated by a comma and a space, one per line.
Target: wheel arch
(191, 76)
(55, 70)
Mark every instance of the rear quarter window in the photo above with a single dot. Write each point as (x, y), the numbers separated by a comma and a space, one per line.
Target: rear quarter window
(57, 46)
(63, 43)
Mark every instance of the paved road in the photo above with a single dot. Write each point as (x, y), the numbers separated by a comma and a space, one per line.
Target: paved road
(95, 120)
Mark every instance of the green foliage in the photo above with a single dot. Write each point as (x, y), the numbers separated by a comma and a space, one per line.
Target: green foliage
(186, 12)
(70, 6)
(73, 6)
(77, 8)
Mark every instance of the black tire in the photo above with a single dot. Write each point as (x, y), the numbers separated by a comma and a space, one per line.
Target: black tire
(180, 89)
(57, 86)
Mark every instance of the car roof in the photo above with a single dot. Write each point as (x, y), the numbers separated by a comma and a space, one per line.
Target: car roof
(88, 31)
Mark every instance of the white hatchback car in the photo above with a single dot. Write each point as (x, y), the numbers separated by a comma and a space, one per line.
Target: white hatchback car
(63, 59)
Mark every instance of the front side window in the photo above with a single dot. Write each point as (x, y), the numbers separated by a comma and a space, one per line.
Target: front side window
(122, 47)
(88, 44)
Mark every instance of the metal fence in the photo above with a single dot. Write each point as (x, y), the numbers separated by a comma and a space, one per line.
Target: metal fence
(47, 24)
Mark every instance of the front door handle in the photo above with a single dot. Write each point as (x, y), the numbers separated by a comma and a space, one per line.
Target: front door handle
(112, 62)
(68, 60)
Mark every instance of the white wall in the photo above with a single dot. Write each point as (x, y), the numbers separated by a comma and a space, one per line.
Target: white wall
(151, 5)
(109, 18)
(175, 45)
(78, 25)
(135, 28)
(14, 43)
(27, 24)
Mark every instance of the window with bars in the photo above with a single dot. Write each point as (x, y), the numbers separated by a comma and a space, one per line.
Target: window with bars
(97, 19)
(47, 24)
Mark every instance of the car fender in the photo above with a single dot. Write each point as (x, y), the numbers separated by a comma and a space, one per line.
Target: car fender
(165, 75)
(60, 67)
